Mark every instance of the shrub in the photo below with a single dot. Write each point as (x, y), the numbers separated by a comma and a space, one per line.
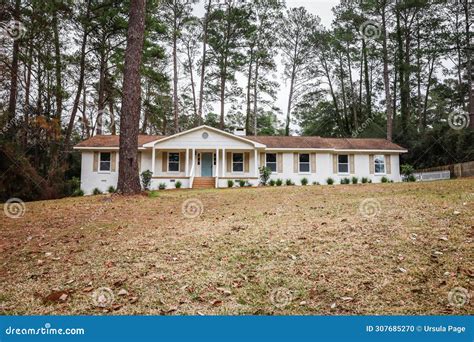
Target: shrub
(355, 180)
(146, 179)
(77, 193)
(384, 179)
(330, 181)
(112, 189)
(272, 182)
(316, 183)
(279, 182)
(247, 184)
(178, 184)
(162, 186)
(407, 170)
(289, 182)
(96, 191)
(370, 181)
(411, 178)
(304, 181)
(345, 180)
(365, 180)
(230, 183)
(241, 183)
(265, 173)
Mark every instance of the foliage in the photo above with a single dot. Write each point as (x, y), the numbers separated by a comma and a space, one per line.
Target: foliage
(289, 182)
(265, 173)
(96, 191)
(316, 183)
(77, 193)
(111, 189)
(146, 179)
(279, 182)
(304, 181)
(230, 183)
(272, 182)
(355, 180)
(162, 186)
(384, 180)
(364, 180)
(178, 184)
(242, 183)
(330, 181)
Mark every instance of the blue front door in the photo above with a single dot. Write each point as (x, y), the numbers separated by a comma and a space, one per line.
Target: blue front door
(206, 164)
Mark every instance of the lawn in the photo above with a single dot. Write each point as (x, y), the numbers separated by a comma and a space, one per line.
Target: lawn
(314, 250)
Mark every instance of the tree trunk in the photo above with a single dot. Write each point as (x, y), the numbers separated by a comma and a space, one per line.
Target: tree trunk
(255, 97)
(129, 180)
(368, 93)
(249, 87)
(14, 70)
(175, 73)
(67, 140)
(102, 83)
(203, 66)
(386, 79)
(193, 87)
(58, 67)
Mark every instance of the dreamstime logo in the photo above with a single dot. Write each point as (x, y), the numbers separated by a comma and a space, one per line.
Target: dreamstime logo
(362, 127)
(369, 207)
(370, 30)
(103, 297)
(458, 120)
(192, 208)
(281, 297)
(458, 297)
(14, 208)
(13, 29)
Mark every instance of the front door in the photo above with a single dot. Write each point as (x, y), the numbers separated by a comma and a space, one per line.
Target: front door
(206, 164)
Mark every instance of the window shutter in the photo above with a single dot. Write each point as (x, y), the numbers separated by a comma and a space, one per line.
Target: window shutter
(352, 164)
(229, 161)
(246, 161)
(182, 161)
(113, 161)
(295, 162)
(334, 163)
(164, 161)
(388, 164)
(313, 162)
(139, 161)
(95, 162)
(280, 162)
(262, 159)
(371, 164)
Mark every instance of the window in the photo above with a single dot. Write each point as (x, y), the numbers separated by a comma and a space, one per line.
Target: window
(379, 164)
(173, 162)
(343, 163)
(104, 164)
(237, 162)
(271, 161)
(304, 162)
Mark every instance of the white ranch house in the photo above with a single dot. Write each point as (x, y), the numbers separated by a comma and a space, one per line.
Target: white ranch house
(208, 157)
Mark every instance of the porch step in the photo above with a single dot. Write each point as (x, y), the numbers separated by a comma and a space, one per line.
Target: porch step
(204, 183)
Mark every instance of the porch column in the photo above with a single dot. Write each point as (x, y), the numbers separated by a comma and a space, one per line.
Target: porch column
(217, 168)
(224, 165)
(186, 167)
(255, 154)
(153, 160)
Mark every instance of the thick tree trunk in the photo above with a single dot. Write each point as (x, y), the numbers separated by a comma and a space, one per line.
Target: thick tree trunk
(290, 101)
(129, 179)
(193, 87)
(203, 65)
(175, 74)
(102, 82)
(368, 92)
(386, 79)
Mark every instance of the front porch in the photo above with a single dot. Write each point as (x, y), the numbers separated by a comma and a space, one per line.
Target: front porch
(202, 168)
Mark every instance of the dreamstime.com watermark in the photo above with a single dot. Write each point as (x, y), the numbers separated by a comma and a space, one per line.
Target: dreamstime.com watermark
(370, 30)
(192, 208)
(12, 30)
(369, 208)
(103, 297)
(14, 208)
(281, 297)
(458, 297)
(46, 330)
(458, 120)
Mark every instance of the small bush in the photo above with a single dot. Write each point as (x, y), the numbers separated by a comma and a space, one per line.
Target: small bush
(146, 179)
(96, 191)
(330, 181)
(241, 183)
(345, 180)
(272, 182)
(355, 180)
(289, 182)
(279, 182)
(153, 194)
(247, 184)
(77, 193)
(304, 181)
(411, 178)
(112, 190)
(316, 183)
(265, 173)
(162, 186)
(384, 179)
(370, 181)
(407, 170)
(230, 183)
(178, 184)
(364, 180)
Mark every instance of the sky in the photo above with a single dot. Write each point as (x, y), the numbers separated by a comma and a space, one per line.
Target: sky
(321, 8)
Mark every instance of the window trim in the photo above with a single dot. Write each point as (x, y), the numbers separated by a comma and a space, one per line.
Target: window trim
(309, 163)
(348, 165)
(178, 162)
(99, 169)
(276, 161)
(384, 165)
(243, 162)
